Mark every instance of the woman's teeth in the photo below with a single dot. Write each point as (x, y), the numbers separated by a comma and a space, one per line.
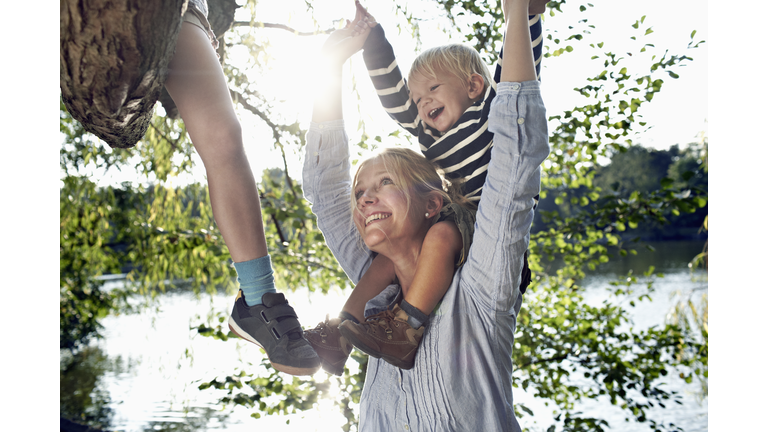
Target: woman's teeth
(374, 217)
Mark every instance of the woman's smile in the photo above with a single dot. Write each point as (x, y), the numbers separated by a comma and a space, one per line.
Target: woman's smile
(382, 210)
(376, 217)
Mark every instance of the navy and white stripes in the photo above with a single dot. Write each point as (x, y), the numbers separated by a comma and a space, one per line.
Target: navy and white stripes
(463, 152)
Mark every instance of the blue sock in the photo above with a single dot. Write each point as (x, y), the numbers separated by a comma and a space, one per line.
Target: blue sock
(255, 279)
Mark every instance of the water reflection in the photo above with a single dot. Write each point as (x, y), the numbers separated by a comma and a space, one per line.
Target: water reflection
(664, 256)
(144, 375)
(82, 394)
(192, 420)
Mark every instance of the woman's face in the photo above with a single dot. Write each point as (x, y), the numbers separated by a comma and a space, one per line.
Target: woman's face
(381, 208)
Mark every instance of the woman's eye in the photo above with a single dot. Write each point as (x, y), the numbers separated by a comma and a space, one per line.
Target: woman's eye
(386, 181)
(358, 194)
(433, 88)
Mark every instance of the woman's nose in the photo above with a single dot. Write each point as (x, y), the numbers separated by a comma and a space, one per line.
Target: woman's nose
(368, 197)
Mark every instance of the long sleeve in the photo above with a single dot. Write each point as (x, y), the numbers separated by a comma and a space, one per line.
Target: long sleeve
(505, 213)
(388, 81)
(464, 151)
(327, 186)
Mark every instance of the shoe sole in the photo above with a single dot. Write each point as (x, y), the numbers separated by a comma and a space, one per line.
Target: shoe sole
(331, 369)
(352, 338)
(291, 370)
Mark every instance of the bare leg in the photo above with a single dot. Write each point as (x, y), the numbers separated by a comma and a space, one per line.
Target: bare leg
(435, 267)
(382, 335)
(199, 89)
(379, 275)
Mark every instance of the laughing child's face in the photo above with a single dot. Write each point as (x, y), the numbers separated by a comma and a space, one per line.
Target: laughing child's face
(442, 99)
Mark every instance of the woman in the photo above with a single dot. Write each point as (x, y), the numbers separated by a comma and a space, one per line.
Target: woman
(461, 379)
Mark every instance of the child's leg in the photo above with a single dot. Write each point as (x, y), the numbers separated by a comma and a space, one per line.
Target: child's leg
(394, 335)
(333, 348)
(379, 275)
(198, 87)
(434, 271)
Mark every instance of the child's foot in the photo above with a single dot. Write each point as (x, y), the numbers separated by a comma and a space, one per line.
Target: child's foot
(386, 335)
(536, 7)
(332, 348)
(274, 326)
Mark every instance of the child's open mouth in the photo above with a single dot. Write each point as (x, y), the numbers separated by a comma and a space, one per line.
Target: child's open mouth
(435, 112)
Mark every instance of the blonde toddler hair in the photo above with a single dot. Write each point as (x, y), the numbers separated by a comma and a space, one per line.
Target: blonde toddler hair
(457, 59)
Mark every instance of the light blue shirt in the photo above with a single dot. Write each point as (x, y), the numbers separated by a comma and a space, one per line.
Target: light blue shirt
(462, 377)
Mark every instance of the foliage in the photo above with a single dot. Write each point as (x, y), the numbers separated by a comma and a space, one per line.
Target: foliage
(163, 235)
(83, 399)
(691, 311)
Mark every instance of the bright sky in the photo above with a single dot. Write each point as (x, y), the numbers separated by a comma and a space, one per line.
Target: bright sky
(678, 114)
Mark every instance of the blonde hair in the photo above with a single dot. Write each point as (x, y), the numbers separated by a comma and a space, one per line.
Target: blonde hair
(415, 176)
(457, 59)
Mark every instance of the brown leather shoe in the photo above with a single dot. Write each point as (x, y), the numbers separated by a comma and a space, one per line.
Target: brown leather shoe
(332, 348)
(386, 335)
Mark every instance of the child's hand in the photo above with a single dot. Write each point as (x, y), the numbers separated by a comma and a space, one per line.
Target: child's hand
(535, 7)
(343, 43)
(363, 22)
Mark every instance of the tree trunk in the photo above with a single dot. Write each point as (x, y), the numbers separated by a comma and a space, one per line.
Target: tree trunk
(113, 62)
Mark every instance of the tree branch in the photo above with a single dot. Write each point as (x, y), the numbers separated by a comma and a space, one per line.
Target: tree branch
(281, 27)
(276, 129)
(546, 360)
(172, 142)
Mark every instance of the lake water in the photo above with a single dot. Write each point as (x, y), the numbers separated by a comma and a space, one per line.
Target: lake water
(143, 376)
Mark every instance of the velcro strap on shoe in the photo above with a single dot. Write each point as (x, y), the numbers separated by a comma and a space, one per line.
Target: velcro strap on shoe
(285, 326)
(279, 311)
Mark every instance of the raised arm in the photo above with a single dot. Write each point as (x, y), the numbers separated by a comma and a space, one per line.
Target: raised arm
(518, 122)
(336, 50)
(392, 88)
(326, 174)
(518, 64)
(388, 81)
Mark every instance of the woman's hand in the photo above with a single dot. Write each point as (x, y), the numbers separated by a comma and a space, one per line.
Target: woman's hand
(340, 46)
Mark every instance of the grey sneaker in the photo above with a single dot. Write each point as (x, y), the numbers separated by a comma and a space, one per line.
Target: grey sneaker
(274, 327)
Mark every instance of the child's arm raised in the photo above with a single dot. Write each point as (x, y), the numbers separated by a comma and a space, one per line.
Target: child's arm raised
(386, 77)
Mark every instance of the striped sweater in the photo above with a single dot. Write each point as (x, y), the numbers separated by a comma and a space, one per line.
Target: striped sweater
(464, 151)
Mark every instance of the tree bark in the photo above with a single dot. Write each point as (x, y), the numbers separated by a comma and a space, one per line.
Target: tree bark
(113, 62)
